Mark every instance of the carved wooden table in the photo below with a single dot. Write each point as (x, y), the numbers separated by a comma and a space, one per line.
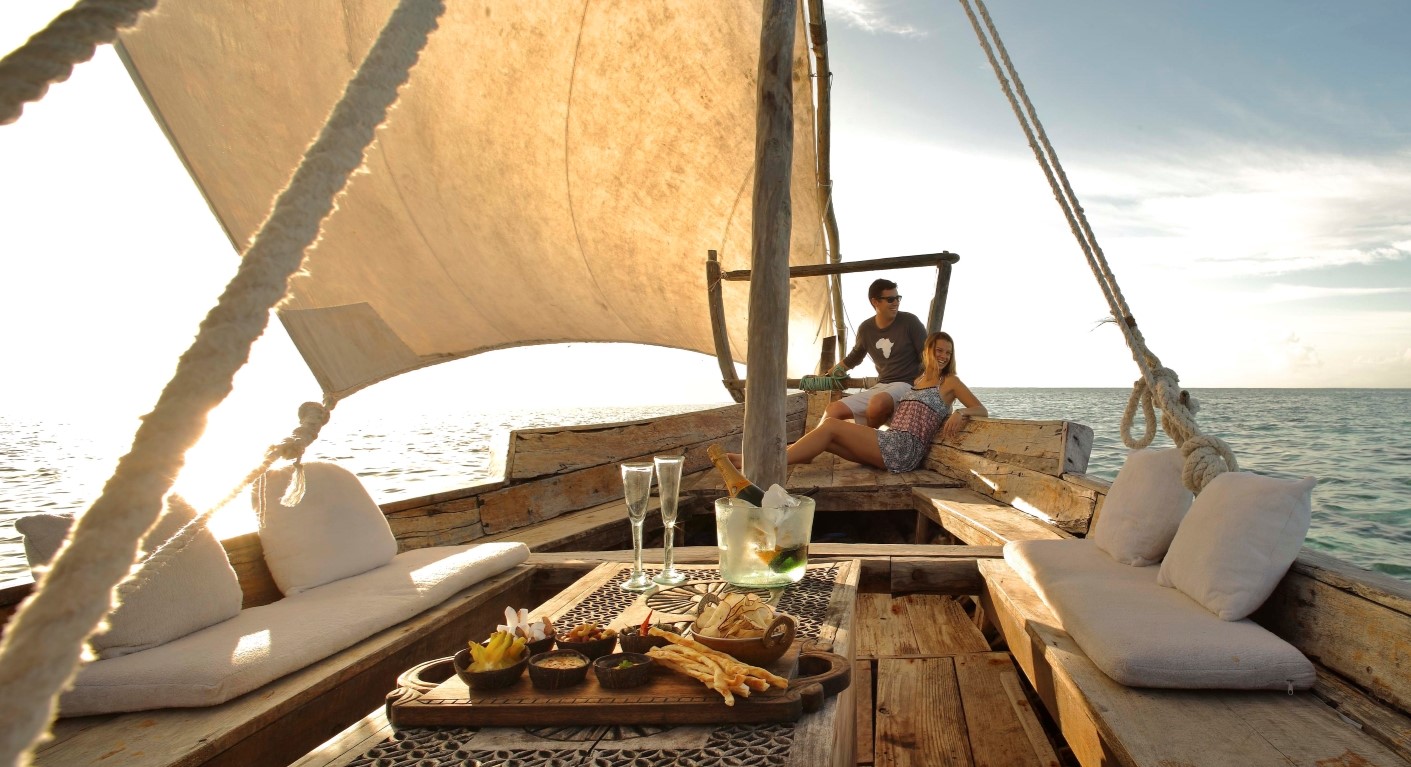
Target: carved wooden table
(823, 603)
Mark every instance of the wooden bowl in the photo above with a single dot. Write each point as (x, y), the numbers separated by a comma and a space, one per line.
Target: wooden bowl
(548, 678)
(610, 677)
(631, 641)
(756, 651)
(488, 680)
(592, 649)
(539, 645)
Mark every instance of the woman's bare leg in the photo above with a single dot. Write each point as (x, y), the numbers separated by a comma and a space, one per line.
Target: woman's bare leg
(851, 441)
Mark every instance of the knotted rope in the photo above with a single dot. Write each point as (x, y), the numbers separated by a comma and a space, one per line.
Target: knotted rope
(1205, 456)
(50, 55)
(312, 418)
(41, 649)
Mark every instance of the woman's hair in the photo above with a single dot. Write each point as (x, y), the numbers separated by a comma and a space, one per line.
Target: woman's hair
(931, 371)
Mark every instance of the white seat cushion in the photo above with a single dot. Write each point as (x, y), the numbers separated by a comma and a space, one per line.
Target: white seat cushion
(337, 530)
(196, 588)
(1144, 508)
(264, 643)
(1241, 535)
(1143, 635)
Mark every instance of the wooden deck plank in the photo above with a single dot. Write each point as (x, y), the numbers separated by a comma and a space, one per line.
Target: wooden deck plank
(920, 718)
(349, 745)
(1002, 727)
(940, 625)
(884, 629)
(862, 683)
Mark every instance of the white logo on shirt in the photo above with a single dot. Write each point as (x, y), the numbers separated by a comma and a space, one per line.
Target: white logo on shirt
(885, 344)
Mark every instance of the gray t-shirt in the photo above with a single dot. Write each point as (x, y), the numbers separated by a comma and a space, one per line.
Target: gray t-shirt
(895, 351)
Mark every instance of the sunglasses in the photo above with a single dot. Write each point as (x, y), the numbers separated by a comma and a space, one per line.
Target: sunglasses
(889, 299)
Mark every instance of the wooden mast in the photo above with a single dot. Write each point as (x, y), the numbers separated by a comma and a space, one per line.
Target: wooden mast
(764, 440)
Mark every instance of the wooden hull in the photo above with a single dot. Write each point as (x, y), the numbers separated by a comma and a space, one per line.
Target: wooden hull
(561, 495)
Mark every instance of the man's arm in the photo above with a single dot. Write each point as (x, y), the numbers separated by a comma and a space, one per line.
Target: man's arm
(859, 350)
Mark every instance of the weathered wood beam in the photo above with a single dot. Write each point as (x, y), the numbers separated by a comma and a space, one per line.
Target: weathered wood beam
(823, 131)
(715, 300)
(868, 265)
(772, 222)
(938, 300)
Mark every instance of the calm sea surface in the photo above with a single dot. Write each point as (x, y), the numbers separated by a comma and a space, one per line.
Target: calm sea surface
(1357, 442)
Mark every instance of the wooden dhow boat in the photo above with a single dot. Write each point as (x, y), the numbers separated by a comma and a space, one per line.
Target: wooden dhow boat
(577, 154)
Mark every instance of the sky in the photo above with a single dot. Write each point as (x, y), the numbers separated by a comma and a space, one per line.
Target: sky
(1246, 167)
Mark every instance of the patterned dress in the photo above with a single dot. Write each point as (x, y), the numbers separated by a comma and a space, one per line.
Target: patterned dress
(918, 417)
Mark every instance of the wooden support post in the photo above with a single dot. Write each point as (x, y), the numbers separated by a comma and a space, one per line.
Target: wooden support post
(938, 301)
(716, 301)
(769, 257)
(823, 110)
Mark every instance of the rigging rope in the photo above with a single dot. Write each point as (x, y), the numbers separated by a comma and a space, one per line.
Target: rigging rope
(41, 648)
(49, 56)
(1206, 456)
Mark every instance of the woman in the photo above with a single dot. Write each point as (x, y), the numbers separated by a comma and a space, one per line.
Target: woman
(918, 416)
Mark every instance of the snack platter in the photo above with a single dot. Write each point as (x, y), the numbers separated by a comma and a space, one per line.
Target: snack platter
(669, 698)
(738, 662)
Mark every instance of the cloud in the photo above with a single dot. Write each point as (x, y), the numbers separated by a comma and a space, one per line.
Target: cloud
(1292, 353)
(870, 16)
(1253, 212)
(1283, 292)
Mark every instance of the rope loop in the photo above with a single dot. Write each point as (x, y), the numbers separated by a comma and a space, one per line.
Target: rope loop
(1140, 395)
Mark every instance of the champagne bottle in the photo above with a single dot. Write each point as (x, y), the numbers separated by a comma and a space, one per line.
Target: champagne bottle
(735, 482)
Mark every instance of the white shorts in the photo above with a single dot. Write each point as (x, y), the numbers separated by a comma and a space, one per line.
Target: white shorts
(858, 402)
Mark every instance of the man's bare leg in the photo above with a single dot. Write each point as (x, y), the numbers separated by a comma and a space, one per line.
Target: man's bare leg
(880, 409)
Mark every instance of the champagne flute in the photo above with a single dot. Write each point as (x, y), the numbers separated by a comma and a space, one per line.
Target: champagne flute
(636, 491)
(668, 486)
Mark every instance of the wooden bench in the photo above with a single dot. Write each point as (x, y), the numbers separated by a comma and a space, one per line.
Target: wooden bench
(977, 519)
(283, 720)
(1334, 725)
(930, 690)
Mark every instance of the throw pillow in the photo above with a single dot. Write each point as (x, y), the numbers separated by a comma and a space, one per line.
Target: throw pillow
(196, 588)
(335, 531)
(1144, 507)
(1242, 533)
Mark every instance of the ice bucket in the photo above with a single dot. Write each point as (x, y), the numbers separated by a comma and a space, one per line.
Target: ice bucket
(762, 546)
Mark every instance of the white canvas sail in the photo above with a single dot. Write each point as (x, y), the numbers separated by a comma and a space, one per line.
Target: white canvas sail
(555, 171)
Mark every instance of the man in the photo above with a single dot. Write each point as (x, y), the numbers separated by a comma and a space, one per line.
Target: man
(893, 339)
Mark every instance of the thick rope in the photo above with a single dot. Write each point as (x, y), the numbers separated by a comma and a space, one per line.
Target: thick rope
(312, 418)
(50, 55)
(1206, 456)
(41, 649)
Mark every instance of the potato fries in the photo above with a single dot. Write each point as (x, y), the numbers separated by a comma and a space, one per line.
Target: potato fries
(715, 670)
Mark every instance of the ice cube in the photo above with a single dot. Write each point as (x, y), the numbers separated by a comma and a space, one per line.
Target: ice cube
(777, 497)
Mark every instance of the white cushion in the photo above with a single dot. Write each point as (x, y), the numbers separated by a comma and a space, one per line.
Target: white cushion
(264, 643)
(336, 531)
(1143, 635)
(1144, 507)
(195, 588)
(43, 534)
(1241, 535)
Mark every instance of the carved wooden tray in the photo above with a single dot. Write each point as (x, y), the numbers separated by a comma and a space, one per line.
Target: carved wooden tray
(669, 698)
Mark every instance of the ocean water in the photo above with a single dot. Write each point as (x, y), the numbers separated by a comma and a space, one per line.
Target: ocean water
(1357, 442)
